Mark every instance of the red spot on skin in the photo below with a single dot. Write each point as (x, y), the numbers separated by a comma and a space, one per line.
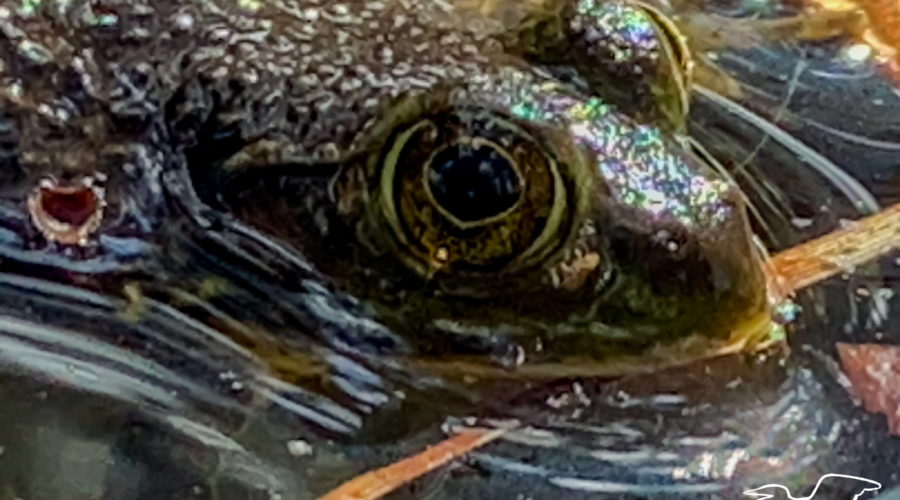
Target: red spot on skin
(874, 373)
(69, 213)
(73, 206)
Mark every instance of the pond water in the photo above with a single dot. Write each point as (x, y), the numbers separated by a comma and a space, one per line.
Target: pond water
(156, 402)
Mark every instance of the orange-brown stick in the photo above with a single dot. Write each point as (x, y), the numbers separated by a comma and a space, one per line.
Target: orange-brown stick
(374, 485)
(837, 252)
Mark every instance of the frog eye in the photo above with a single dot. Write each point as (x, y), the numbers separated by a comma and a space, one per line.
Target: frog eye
(467, 190)
(628, 51)
(636, 54)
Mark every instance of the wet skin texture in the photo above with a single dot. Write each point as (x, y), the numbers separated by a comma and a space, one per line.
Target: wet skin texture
(272, 174)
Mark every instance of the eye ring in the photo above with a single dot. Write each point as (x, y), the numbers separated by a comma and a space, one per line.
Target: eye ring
(517, 233)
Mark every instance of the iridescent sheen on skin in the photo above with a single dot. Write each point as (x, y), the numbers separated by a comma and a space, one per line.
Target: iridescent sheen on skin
(635, 161)
(276, 118)
(629, 33)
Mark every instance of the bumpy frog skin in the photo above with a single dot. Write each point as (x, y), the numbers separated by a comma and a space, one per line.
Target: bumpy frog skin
(250, 187)
(282, 115)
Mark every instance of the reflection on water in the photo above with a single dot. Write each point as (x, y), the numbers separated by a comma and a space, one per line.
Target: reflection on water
(102, 401)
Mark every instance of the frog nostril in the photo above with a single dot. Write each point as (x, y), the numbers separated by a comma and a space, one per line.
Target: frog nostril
(66, 213)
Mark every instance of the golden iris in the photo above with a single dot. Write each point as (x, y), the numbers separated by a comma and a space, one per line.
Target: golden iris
(471, 191)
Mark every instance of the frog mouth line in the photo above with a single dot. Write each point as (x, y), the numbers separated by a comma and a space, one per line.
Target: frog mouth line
(113, 319)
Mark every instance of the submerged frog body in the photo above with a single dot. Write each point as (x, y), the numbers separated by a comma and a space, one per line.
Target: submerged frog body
(239, 187)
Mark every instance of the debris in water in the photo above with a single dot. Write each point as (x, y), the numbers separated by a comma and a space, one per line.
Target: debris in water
(299, 448)
(874, 373)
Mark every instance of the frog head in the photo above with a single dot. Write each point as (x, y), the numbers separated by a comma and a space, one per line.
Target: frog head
(274, 187)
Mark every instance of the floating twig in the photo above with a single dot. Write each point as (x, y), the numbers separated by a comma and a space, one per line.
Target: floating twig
(375, 484)
(838, 252)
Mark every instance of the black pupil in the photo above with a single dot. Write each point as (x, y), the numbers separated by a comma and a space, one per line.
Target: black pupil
(473, 184)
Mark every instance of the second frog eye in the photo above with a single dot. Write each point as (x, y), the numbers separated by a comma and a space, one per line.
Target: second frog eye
(469, 190)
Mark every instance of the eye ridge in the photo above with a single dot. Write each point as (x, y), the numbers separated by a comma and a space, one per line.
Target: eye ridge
(473, 144)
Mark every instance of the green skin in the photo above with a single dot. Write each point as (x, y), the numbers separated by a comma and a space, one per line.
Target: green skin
(242, 145)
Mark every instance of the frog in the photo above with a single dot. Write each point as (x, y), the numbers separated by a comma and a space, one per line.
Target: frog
(266, 200)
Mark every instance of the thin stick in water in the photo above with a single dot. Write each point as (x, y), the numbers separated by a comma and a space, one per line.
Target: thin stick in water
(375, 484)
(838, 252)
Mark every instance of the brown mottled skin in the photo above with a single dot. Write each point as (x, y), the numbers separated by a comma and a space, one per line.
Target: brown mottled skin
(236, 144)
